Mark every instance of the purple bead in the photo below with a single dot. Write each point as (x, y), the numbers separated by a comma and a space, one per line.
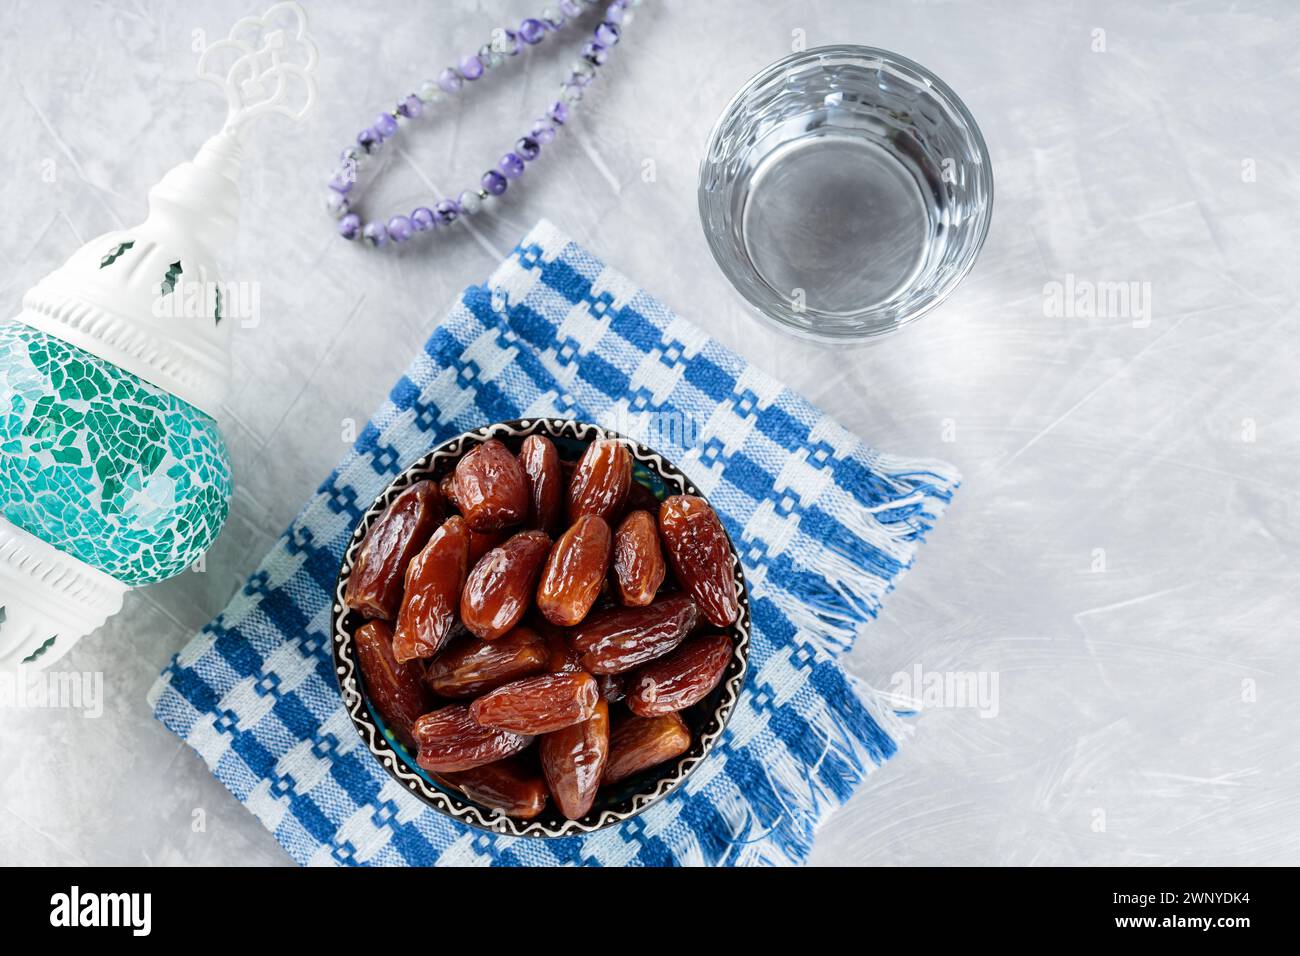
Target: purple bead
(369, 140)
(511, 165)
(375, 234)
(559, 113)
(411, 107)
(350, 226)
(580, 79)
(528, 148)
(422, 219)
(449, 80)
(493, 182)
(446, 211)
(531, 31)
(385, 125)
(400, 228)
(471, 67)
(570, 8)
(595, 53)
(614, 13)
(543, 131)
(607, 33)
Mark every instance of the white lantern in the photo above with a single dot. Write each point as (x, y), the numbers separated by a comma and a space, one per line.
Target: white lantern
(113, 473)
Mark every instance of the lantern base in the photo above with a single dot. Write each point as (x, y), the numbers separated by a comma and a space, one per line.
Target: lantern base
(48, 600)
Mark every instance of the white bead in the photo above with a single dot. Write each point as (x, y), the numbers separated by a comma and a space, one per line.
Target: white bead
(430, 93)
(570, 94)
(469, 202)
(336, 204)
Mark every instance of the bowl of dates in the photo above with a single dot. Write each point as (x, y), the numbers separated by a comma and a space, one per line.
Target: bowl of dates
(540, 628)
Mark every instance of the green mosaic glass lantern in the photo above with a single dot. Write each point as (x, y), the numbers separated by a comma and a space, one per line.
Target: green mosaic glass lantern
(113, 472)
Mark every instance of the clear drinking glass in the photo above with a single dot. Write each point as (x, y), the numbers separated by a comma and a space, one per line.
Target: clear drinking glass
(845, 192)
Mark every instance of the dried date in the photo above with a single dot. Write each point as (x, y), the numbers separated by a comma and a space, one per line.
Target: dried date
(639, 743)
(489, 488)
(573, 762)
(638, 561)
(375, 584)
(433, 584)
(624, 638)
(449, 739)
(448, 488)
(613, 687)
(562, 658)
(500, 587)
(700, 555)
(541, 467)
(470, 667)
(574, 572)
(601, 481)
(680, 679)
(481, 542)
(506, 785)
(538, 705)
(394, 688)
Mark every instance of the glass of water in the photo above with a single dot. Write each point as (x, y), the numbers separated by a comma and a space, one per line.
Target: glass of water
(845, 192)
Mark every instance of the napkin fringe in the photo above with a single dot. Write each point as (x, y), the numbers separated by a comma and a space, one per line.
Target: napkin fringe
(833, 604)
(798, 794)
(841, 586)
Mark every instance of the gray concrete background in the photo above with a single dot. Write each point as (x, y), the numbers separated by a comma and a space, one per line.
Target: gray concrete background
(1122, 557)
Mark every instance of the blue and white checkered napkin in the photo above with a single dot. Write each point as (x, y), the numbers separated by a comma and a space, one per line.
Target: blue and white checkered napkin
(823, 523)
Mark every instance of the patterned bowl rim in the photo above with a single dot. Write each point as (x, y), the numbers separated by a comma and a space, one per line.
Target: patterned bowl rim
(454, 804)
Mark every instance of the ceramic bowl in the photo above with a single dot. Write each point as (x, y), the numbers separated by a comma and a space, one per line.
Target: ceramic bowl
(615, 804)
